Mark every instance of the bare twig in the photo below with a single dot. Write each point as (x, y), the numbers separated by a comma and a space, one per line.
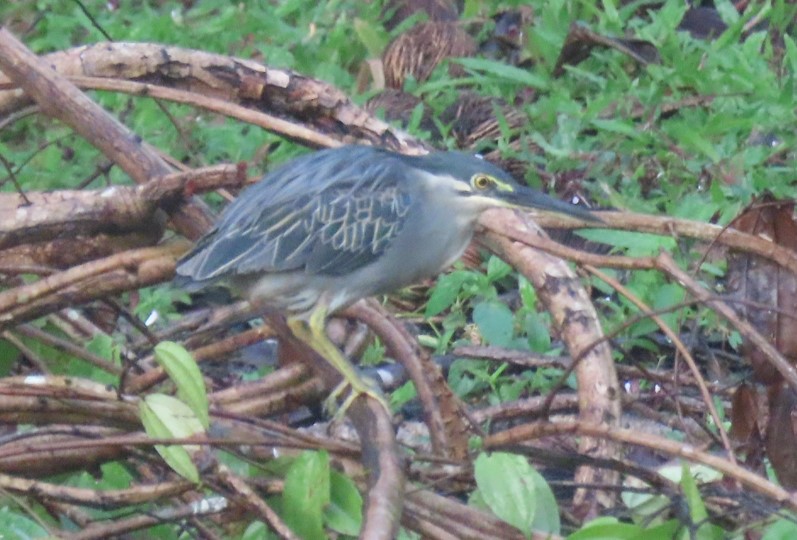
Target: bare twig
(575, 318)
(660, 444)
(58, 98)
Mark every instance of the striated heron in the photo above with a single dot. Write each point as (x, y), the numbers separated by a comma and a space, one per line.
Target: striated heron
(332, 227)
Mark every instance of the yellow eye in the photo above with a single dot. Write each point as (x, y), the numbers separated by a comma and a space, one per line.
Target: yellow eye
(481, 181)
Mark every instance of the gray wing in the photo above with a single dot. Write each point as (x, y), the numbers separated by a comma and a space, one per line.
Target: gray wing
(343, 226)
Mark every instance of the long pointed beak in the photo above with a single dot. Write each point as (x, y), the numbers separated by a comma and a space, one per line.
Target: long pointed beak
(525, 197)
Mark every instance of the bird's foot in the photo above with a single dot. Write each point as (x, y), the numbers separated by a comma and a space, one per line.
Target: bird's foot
(313, 333)
(359, 387)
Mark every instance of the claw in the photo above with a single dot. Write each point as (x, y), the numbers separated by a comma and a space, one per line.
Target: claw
(367, 388)
(313, 332)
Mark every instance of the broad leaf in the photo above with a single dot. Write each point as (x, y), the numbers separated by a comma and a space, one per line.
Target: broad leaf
(445, 292)
(184, 371)
(496, 323)
(165, 417)
(606, 528)
(16, 526)
(516, 493)
(697, 509)
(344, 513)
(306, 494)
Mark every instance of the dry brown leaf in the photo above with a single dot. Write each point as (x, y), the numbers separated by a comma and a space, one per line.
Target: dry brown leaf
(781, 437)
(767, 292)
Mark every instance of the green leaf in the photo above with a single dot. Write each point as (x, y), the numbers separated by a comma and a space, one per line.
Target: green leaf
(373, 40)
(471, 9)
(403, 395)
(790, 58)
(177, 418)
(527, 293)
(666, 531)
(115, 475)
(697, 508)
(666, 295)
(647, 507)
(257, 530)
(546, 518)
(8, 357)
(636, 244)
(690, 136)
(103, 345)
(306, 494)
(414, 125)
(166, 417)
(644, 506)
(19, 527)
(445, 292)
(537, 330)
(374, 354)
(344, 513)
(516, 493)
(606, 528)
(184, 371)
(476, 500)
(503, 71)
(495, 321)
(622, 127)
(497, 268)
(407, 535)
(783, 529)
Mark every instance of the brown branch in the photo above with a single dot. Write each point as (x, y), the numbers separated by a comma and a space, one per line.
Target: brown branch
(747, 478)
(291, 130)
(729, 237)
(247, 497)
(380, 454)
(679, 346)
(528, 408)
(118, 273)
(575, 318)
(118, 209)
(117, 528)
(139, 383)
(267, 435)
(92, 497)
(59, 98)
(77, 351)
(663, 225)
(276, 396)
(312, 103)
(443, 412)
(382, 460)
(44, 410)
(50, 450)
(665, 263)
(461, 520)
(62, 252)
(71, 213)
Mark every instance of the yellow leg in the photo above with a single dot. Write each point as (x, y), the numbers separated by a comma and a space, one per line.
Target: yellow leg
(313, 332)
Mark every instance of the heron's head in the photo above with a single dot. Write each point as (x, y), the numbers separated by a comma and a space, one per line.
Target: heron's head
(476, 183)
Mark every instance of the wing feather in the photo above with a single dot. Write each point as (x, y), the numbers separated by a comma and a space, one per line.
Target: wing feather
(328, 225)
